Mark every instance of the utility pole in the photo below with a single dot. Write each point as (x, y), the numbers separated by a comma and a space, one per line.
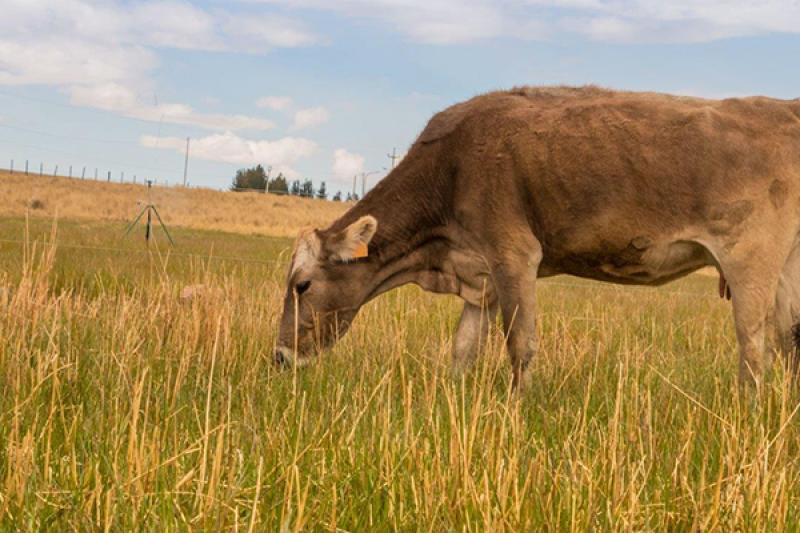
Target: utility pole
(393, 156)
(364, 176)
(186, 163)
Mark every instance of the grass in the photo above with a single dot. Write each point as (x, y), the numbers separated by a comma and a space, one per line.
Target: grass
(125, 407)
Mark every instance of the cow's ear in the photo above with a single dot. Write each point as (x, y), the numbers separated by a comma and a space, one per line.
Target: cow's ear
(353, 241)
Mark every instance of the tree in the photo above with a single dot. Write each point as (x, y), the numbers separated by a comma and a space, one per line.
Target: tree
(250, 178)
(338, 196)
(295, 190)
(278, 185)
(307, 190)
(322, 192)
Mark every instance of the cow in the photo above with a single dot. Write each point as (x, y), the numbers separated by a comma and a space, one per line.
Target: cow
(623, 187)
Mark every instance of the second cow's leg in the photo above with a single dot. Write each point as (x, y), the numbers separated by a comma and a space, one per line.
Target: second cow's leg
(787, 311)
(753, 281)
(473, 330)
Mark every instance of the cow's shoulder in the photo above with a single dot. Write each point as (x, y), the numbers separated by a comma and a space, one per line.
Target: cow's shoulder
(445, 122)
(484, 109)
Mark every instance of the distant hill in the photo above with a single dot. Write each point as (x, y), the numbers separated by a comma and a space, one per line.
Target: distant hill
(241, 212)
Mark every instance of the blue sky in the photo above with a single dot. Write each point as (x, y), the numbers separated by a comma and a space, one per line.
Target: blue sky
(324, 89)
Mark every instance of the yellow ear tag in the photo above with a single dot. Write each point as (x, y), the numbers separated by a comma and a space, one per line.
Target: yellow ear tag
(360, 251)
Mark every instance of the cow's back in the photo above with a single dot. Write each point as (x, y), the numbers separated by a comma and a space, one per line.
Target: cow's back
(591, 168)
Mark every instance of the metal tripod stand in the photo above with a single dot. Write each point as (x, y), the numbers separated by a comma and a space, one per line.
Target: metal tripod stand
(149, 209)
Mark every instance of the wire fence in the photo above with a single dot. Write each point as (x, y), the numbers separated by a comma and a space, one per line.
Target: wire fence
(81, 172)
(616, 288)
(94, 173)
(168, 252)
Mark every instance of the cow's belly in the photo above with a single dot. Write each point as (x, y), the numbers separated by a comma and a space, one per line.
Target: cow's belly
(640, 262)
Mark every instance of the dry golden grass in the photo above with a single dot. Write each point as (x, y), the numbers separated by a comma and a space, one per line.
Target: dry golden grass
(126, 408)
(241, 212)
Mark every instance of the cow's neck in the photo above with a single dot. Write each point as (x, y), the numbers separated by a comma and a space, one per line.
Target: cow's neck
(413, 237)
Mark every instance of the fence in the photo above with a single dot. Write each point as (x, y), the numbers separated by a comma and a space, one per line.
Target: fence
(94, 173)
(80, 172)
(606, 287)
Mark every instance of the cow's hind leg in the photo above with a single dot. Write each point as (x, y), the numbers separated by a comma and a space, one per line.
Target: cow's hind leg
(787, 311)
(753, 282)
(471, 335)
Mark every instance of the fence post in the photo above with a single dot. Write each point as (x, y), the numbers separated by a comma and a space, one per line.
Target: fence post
(70, 171)
(26, 167)
(122, 177)
(55, 172)
(134, 178)
(12, 166)
(41, 169)
(83, 172)
(109, 176)
(95, 173)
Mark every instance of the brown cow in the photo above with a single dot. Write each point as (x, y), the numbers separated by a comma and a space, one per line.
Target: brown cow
(512, 186)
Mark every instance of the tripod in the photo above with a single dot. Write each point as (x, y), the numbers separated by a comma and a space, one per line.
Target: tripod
(149, 209)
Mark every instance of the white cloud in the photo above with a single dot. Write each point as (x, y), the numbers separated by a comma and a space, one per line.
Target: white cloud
(62, 61)
(257, 33)
(347, 164)
(152, 23)
(276, 103)
(102, 53)
(310, 117)
(119, 99)
(226, 147)
(457, 21)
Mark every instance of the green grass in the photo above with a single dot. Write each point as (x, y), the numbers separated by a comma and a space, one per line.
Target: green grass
(125, 408)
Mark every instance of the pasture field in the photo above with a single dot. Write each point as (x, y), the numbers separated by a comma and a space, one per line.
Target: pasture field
(124, 407)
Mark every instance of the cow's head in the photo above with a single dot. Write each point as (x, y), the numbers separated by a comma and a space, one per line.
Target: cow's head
(328, 282)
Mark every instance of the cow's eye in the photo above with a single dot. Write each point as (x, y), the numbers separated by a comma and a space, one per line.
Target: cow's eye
(302, 287)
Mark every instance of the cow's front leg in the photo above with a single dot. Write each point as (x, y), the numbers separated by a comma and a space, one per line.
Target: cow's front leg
(471, 335)
(515, 279)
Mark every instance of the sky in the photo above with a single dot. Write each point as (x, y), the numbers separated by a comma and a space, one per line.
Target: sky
(326, 89)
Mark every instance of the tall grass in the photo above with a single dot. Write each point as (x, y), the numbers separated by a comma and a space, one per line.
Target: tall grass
(127, 408)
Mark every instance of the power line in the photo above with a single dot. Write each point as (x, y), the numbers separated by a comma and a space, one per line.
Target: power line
(78, 107)
(66, 137)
